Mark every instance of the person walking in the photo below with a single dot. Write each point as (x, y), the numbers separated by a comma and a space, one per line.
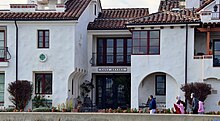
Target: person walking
(195, 104)
(201, 107)
(152, 105)
(181, 104)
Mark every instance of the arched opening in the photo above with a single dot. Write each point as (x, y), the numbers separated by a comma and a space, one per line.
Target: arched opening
(211, 103)
(162, 86)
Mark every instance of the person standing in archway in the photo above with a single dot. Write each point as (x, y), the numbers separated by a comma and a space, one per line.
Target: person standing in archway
(152, 105)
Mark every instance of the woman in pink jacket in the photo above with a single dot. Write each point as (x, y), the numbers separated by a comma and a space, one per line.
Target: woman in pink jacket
(201, 107)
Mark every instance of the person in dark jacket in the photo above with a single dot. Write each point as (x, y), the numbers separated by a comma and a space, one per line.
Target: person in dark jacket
(152, 105)
(195, 104)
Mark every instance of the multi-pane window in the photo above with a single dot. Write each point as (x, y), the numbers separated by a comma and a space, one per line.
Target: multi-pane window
(216, 53)
(114, 51)
(2, 88)
(43, 83)
(160, 84)
(43, 38)
(146, 42)
(2, 45)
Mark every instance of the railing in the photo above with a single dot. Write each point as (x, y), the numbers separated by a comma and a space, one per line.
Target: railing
(203, 57)
(215, 15)
(4, 54)
(92, 61)
(112, 61)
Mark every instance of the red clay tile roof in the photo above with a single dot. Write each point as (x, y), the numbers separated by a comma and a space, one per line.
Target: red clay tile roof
(205, 3)
(74, 8)
(167, 17)
(116, 18)
(168, 5)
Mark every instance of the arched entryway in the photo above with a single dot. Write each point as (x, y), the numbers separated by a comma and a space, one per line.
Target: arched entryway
(162, 86)
(75, 79)
(211, 103)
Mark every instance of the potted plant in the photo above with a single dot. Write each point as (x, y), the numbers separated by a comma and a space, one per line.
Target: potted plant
(63, 107)
(85, 88)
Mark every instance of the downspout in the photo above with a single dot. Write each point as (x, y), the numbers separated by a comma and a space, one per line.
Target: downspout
(16, 57)
(16, 52)
(186, 58)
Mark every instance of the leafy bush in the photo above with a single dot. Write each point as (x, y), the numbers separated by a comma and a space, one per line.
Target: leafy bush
(38, 101)
(9, 109)
(42, 109)
(85, 88)
(201, 90)
(21, 92)
(2, 110)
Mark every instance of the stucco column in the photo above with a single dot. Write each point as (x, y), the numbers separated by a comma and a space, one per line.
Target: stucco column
(134, 94)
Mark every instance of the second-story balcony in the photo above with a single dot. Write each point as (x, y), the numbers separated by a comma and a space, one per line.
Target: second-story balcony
(215, 15)
(110, 60)
(209, 16)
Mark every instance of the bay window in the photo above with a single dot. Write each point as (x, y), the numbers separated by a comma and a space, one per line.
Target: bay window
(146, 42)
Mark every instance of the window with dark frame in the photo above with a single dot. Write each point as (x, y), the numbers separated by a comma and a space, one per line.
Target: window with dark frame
(146, 42)
(216, 53)
(43, 83)
(160, 84)
(114, 51)
(2, 45)
(95, 9)
(2, 88)
(43, 38)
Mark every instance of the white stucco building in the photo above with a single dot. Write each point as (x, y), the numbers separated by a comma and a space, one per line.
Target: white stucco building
(169, 48)
(127, 53)
(45, 42)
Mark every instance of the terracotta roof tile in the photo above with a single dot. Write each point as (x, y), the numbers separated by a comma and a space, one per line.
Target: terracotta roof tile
(205, 3)
(116, 18)
(74, 8)
(165, 17)
(168, 5)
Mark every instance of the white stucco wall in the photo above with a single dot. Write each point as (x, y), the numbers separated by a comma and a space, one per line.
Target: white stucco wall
(60, 60)
(192, 3)
(81, 42)
(170, 61)
(211, 103)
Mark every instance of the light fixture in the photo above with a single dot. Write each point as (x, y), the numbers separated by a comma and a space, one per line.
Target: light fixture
(215, 8)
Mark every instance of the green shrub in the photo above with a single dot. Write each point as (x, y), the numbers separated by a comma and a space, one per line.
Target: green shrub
(2, 110)
(9, 109)
(42, 109)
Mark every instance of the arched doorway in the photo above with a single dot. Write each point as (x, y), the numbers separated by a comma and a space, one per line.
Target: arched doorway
(162, 86)
(211, 103)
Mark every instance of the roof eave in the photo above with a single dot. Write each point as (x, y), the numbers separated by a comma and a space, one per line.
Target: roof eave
(163, 23)
(38, 19)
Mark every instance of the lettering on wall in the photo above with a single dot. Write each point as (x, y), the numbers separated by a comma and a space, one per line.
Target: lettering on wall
(112, 69)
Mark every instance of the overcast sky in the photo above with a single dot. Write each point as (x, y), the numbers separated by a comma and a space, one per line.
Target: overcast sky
(151, 4)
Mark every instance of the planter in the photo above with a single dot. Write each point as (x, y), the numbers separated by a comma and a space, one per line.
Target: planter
(64, 110)
(29, 110)
(53, 110)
